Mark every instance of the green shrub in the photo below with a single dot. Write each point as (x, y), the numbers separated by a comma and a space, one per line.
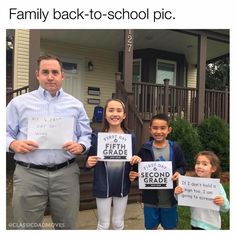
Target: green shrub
(187, 137)
(214, 136)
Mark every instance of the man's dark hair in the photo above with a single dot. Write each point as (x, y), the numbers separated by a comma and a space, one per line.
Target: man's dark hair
(48, 57)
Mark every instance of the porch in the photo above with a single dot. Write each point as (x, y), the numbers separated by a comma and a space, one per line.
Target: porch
(150, 99)
(147, 99)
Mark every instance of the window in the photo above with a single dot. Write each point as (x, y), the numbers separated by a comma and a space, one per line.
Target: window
(166, 70)
(137, 70)
(70, 67)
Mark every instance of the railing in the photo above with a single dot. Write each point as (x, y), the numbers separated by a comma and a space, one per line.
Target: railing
(148, 99)
(14, 93)
(217, 103)
(151, 99)
(135, 122)
(182, 103)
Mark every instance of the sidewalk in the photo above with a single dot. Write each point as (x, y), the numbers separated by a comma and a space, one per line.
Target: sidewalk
(88, 218)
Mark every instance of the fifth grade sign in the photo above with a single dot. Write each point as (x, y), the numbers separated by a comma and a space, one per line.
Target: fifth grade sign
(114, 147)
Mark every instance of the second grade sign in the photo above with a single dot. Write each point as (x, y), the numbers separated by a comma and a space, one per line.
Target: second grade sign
(155, 175)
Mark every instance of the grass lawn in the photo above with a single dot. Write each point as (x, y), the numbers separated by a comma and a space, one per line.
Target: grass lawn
(184, 215)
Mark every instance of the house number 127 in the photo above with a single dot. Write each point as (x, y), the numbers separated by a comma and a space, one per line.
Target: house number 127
(130, 41)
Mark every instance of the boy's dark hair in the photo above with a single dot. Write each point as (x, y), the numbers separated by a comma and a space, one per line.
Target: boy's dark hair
(160, 116)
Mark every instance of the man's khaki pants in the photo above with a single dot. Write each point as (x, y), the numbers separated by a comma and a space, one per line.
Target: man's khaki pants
(33, 189)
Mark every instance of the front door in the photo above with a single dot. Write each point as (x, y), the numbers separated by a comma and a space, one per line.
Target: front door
(73, 82)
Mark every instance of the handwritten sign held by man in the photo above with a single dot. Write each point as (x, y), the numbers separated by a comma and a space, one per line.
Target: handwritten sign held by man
(50, 132)
(155, 175)
(198, 192)
(114, 147)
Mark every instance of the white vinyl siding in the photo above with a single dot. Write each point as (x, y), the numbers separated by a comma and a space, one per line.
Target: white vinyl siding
(105, 64)
(21, 58)
(191, 82)
(192, 76)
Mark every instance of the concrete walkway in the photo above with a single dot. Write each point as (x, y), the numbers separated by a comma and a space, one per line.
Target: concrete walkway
(88, 219)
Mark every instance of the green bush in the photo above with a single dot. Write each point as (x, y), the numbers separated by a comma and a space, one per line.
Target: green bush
(214, 136)
(188, 139)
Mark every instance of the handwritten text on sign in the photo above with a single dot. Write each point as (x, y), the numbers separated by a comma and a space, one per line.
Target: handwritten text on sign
(114, 147)
(155, 175)
(198, 192)
(50, 132)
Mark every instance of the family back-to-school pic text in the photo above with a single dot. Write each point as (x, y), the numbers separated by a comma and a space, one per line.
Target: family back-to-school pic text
(42, 15)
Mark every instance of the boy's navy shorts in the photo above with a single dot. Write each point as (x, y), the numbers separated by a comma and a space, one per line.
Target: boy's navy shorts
(167, 217)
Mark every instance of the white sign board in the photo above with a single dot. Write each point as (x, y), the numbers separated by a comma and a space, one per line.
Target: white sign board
(114, 147)
(155, 175)
(198, 192)
(50, 132)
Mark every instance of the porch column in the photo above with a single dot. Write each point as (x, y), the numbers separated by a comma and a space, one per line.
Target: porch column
(128, 59)
(34, 53)
(201, 77)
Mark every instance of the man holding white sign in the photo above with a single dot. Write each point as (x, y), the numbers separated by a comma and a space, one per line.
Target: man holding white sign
(204, 195)
(46, 129)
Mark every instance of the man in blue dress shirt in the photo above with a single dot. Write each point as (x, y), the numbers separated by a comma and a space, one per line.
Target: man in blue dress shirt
(45, 176)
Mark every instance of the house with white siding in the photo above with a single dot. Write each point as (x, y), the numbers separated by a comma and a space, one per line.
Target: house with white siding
(141, 56)
(153, 70)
